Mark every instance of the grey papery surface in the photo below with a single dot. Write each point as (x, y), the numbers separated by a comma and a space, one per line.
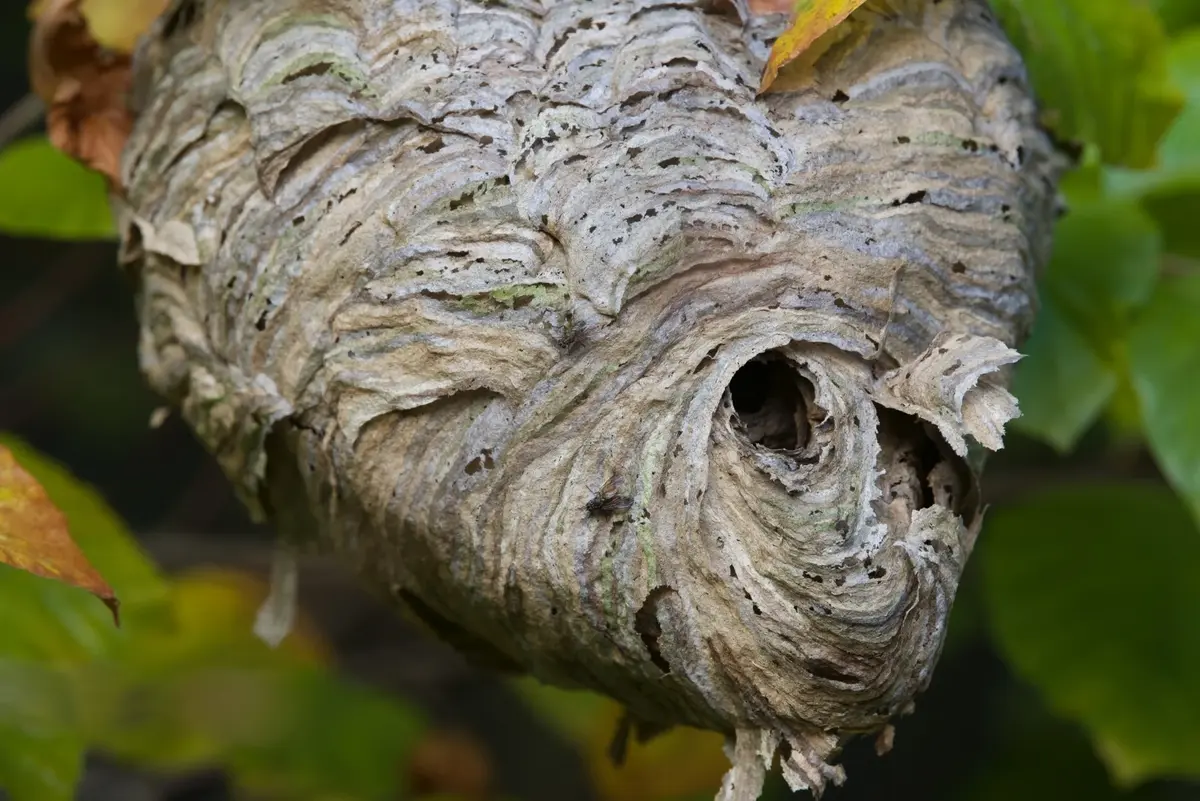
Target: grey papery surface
(606, 368)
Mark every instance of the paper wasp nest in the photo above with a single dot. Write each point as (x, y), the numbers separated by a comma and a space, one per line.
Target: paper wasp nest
(607, 369)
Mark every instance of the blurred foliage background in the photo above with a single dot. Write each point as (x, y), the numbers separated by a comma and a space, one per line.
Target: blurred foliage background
(1073, 665)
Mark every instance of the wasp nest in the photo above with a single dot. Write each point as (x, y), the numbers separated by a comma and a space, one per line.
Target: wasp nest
(609, 370)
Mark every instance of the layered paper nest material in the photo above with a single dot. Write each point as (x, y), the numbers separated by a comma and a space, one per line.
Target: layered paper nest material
(607, 369)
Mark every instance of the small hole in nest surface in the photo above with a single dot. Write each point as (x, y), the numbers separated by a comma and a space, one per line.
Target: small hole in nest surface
(769, 400)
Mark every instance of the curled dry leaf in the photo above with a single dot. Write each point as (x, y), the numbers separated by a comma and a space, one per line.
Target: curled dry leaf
(34, 536)
(83, 81)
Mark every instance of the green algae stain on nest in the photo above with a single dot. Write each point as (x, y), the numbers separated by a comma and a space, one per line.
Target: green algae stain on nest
(513, 296)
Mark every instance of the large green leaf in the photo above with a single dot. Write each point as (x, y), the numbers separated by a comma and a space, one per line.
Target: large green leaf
(1062, 385)
(39, 767)
(1097, 68)
(1037, 757)
(1170, 192)
(1177, 15)
(46, 622)
(292, 729)
(1104, 267)
(184, 682)
(1164, 352)
(46, 194)
(331, 737)
(1093, 598)
(1174, 202)
(1180, 147)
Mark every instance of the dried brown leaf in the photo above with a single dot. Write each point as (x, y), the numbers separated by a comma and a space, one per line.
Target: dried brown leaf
(34, 535)
(84, 86)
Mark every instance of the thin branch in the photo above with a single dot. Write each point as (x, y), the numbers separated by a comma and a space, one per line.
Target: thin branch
(20, 117)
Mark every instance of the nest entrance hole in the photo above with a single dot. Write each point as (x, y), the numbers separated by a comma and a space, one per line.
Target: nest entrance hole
(772, 402)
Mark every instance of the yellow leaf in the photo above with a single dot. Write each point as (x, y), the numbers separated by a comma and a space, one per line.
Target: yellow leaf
(218, 605)
(114, 24)
(678, 763)
(802, 73)
(810, 20)
(815, 29)
(117, 24)
(34, 535)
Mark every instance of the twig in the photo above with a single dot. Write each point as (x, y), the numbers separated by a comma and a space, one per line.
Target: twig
(20, 117)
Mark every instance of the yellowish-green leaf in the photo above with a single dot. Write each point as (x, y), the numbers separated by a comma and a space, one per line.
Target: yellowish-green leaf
(678, 764)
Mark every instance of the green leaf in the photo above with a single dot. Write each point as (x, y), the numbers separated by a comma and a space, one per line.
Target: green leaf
(184, 682)
(1170, 192)
(39, 768)
(58, 623)
(333, 736)
(1097, 68)
(205, 690)
(1062, 386)
(41, 758)
(1178, 156)
(1179, 149)
(1036, 757)
(1174, 202)
(291, 730)
(1176, 208)
(1164, 352)
(46, 194)
(1178, 14)
(1093, 598)
(1103, 268)
(46, 622)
